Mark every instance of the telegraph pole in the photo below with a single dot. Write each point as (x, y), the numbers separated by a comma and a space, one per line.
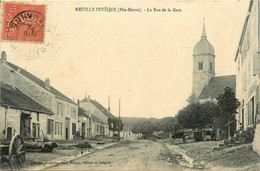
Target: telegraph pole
(119, 122)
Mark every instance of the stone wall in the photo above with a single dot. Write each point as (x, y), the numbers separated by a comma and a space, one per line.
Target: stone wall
(202, 77)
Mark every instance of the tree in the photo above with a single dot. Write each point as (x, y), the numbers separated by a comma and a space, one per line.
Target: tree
(228, 105)
(113, 124)
(195, 114)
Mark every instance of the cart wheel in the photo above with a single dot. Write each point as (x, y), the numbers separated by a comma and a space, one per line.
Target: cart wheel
(16, 152)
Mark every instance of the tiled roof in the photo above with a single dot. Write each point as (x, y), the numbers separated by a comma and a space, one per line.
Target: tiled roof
(39, 82)
(14, 98)
(100, 107)
(216, 86)
(83, 113)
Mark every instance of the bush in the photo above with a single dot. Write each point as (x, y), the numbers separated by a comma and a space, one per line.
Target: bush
(84, 144)
(247, 136)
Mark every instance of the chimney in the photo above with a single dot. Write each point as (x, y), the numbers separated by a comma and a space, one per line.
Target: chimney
(78, 102)
(47, 83)
(88, 98)
(3, 56)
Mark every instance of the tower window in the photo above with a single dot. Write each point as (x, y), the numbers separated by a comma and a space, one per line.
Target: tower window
(201, 65)
(210, 66)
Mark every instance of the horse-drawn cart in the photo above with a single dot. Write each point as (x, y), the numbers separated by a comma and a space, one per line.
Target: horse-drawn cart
(13, 151)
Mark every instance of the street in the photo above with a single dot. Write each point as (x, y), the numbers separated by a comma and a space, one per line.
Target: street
(137, 155)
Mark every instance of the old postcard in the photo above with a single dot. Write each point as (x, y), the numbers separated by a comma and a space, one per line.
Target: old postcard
(130, 85)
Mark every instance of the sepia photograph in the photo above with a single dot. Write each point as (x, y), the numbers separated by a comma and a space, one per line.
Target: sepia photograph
(130, 85)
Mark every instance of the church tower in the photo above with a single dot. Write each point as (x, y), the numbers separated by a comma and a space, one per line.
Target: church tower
(203, 63)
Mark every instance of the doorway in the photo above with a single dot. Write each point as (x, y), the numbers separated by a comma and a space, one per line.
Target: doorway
(83, 130)
(67, 128)
(25, 125)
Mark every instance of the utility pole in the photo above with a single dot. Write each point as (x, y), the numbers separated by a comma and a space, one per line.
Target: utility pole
(119, 122)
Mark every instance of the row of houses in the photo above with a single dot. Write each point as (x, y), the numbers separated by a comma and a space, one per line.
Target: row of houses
(35, 109)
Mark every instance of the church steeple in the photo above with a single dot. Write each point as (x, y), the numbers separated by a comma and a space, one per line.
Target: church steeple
(204, 36)
(203, 63)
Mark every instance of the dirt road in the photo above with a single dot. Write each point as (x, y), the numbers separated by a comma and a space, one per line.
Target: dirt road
(138, 155)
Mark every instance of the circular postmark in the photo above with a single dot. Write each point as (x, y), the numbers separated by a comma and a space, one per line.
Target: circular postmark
(27, 26)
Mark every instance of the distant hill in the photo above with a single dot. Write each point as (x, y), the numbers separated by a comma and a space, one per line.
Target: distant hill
(129, 122)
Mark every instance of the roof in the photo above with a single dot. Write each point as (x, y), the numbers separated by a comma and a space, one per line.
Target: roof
(203, 47)
(100, 107)
(82, 112)
(97, 119)
(216, 86)
(14, 98)
(41, 83)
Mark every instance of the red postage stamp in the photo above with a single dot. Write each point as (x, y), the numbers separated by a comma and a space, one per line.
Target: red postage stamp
(23, 22)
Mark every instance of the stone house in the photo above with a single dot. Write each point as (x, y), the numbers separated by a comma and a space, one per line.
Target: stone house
(99, 115)
(248, 69)
(63, 124)
(20, 114)
(85, 123)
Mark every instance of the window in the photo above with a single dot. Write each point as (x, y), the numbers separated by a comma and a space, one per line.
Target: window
(210, 66)
(251, 116)
(59, 108)
(38, 117)
(38, 130)
(61, 127)
(58, 128)
(34, 130)
(73, 112)
(201, 65)
(73, 128)
(49, 126)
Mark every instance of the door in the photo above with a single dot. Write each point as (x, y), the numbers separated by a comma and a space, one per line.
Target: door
(83, 130)
(9, 133)
(34, 130)
(67, 128)
(25, 125)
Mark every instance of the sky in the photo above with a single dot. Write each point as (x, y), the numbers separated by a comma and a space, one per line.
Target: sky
(143, 58)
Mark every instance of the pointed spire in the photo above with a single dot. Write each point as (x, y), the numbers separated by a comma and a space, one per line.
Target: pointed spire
(204, 30)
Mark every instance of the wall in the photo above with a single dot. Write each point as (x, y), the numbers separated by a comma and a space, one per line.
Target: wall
(247, 83)
(37, 93)
(88, 106)
(43, 97)
(201, 78)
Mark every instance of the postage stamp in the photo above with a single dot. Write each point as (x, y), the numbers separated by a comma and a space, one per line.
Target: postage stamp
(23, 22)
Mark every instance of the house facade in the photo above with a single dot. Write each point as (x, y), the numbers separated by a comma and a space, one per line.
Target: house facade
(20, 114)
(99, 119)
(63, 124)
(85, 123)
(248, 69)
(99, 116)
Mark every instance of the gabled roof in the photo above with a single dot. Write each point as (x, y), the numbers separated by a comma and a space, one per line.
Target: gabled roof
(82, 112)
(96, 119)
(216, 86)
(100, 108)
(41, 83)
(14, 98)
